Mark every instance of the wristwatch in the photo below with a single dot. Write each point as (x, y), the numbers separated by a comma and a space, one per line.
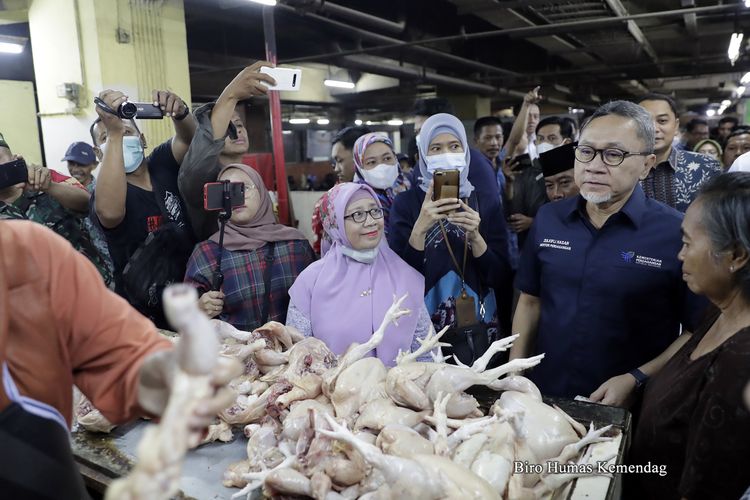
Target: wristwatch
(184, 114)
(640, 378)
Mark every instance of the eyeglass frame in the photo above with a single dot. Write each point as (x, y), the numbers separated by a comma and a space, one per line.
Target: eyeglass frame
(625, 154)
(366, 212)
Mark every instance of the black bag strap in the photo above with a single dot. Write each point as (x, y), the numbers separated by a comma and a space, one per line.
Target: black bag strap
(266, 305)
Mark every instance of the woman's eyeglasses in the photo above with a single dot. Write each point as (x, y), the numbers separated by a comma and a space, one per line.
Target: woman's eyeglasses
(360, 216)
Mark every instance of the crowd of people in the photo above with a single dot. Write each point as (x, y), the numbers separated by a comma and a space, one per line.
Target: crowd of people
(616, 245)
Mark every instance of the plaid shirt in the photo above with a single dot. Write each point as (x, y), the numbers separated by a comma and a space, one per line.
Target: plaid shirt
(244, 290)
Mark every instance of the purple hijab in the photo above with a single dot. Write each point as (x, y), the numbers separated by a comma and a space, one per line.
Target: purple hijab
(333, 292)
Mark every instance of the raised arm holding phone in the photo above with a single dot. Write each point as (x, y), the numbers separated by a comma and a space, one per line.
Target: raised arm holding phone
(221, 139)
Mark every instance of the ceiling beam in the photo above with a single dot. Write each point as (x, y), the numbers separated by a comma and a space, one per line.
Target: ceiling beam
(620, 11)
(533, 31)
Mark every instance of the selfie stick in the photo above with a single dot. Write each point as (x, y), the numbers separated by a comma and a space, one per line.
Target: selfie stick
(224, 216)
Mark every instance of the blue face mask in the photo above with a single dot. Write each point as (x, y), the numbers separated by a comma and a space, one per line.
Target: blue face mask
(132, 153)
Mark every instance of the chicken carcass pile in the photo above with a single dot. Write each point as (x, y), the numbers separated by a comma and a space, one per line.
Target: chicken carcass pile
(347, 427)
(162, 449)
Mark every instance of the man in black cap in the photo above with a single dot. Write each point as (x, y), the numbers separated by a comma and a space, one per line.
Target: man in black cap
(557, 169)
(81, 162)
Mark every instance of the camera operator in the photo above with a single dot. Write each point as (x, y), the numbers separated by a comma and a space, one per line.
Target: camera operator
(63, 189)
(54, 200)
(137, 196)
(213, 147)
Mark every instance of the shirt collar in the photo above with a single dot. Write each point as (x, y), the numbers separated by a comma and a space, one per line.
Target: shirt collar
(634, 209)
(671, 160)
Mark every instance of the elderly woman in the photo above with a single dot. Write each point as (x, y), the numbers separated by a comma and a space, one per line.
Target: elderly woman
(709, 147)
(693, 419)
(376, 164)
(260, 261)
(459, 245)
(343, 297)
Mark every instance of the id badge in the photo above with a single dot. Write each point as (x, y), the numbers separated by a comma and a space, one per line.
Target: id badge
(466, 312)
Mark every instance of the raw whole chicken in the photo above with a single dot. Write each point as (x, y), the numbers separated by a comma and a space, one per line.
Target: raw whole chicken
(415, 432)
(160, 453)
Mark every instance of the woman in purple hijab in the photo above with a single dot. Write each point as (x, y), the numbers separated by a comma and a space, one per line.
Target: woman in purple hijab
(343, 297)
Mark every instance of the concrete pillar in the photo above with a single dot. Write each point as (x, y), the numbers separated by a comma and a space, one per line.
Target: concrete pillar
(130, 45)
(470, 107)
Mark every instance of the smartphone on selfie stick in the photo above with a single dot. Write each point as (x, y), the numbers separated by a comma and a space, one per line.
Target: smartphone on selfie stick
(224, 196)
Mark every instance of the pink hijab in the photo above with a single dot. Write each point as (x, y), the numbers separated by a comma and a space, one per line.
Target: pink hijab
(346, 300)
(262, 228)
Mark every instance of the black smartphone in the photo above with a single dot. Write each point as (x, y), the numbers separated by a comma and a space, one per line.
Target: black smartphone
(213, 195)
(520, 162)
(12, 173)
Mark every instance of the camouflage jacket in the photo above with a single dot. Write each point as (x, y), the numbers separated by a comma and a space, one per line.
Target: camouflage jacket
(43, 209)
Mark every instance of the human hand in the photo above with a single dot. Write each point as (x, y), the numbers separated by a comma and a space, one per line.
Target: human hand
(157, 375)
(520, 223)
(211, 303)
(532, 96)
(40, 177)
(112, 122)
(434, 211)
(508, 172)
(247, 83)
(617, 391)
(468, 219)
(170, 103)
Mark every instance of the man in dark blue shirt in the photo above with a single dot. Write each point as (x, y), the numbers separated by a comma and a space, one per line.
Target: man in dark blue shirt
(602, 290)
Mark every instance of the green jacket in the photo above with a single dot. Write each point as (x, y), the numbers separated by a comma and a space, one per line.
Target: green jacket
(43, 209)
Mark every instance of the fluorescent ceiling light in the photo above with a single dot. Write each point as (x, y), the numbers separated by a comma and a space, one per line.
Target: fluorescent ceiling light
(11, 48)
(323, 121)
(710, 112)
(747, 3)
(299, 121)
(740, 90)
(286, 132)
(339, 84)
(396, 122)
(735, 42)
(358, 122)
(265, 2)
(726, 103)
(746, 78)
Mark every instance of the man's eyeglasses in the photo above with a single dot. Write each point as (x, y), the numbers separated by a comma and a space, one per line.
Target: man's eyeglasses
(610, 156)
(360, 216)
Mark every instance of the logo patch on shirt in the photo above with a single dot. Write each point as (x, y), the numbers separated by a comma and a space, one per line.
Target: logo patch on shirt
(641, 260)
(558, 244)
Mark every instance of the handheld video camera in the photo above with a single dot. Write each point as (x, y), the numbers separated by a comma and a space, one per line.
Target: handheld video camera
(129, 110)
(12, 173)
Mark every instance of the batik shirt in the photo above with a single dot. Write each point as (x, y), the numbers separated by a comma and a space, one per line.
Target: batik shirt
(676, 182)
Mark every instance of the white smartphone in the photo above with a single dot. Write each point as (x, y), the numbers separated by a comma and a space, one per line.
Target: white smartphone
(286, 78)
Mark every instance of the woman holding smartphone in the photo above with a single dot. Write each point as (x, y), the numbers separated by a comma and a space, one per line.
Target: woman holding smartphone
(260, 260)
(458, 244)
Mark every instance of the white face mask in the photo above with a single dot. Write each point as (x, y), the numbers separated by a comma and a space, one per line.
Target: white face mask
(363, 256)
(544, 147)
(446, 161)
(381, 177)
